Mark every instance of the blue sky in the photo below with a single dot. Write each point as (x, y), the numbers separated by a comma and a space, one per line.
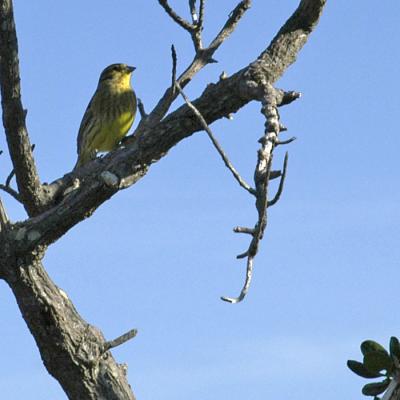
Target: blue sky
(158, 255)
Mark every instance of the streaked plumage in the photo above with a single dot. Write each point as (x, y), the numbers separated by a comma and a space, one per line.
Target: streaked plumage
(109, 115)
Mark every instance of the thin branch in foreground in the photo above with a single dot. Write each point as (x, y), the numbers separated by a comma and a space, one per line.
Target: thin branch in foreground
(214, 141)
(119, 340)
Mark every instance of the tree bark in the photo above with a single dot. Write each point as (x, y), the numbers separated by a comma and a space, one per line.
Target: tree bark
(72, 350)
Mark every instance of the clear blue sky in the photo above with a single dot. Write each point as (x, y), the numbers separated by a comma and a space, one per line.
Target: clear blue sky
(158, 255)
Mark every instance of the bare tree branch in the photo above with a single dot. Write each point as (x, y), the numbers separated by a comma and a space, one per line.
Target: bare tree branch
(197, 17)
(261, 180)
(214, 141)
(230, 25)
(282, 142)
(14, 114)
(200, 60)
(201, 14)
(193, 11)
(142, 111)
(179, 20)
(119, 340)
(45, 308)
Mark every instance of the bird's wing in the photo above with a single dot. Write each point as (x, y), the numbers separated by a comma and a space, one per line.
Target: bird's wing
(87, 120)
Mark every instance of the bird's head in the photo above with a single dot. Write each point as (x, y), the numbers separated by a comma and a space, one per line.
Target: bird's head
(117, 74)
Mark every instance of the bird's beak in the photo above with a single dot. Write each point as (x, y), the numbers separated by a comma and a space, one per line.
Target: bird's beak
(131, 69)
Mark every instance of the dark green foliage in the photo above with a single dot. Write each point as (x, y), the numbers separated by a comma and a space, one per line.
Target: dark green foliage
(369, 346)
(373, 389)
(360, 369)
(377, 359)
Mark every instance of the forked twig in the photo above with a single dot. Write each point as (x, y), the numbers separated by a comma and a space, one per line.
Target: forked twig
(261, 178)
(202, 56)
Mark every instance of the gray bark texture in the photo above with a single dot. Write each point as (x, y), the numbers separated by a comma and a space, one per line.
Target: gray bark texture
(73, 351)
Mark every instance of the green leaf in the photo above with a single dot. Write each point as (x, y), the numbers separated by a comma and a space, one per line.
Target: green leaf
(360, 369)
(373, 389)
(377, 361)
(395, 347)
(369, 346)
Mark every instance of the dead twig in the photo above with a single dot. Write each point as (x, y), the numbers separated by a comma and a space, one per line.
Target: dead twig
(178, 19)
(119, 340)
(282, 142)
(174, 63)
(230, 25)
(214, 141)
(202, 57)
(262, 176)
(141, 109)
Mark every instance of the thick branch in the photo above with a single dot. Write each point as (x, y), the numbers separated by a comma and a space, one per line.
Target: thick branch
(72, 350)
(14, 114)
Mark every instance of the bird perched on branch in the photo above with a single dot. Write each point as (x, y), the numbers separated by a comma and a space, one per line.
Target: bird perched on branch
(109, 115)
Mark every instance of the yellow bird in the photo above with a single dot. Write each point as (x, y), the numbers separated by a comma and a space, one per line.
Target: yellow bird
(109, 115)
